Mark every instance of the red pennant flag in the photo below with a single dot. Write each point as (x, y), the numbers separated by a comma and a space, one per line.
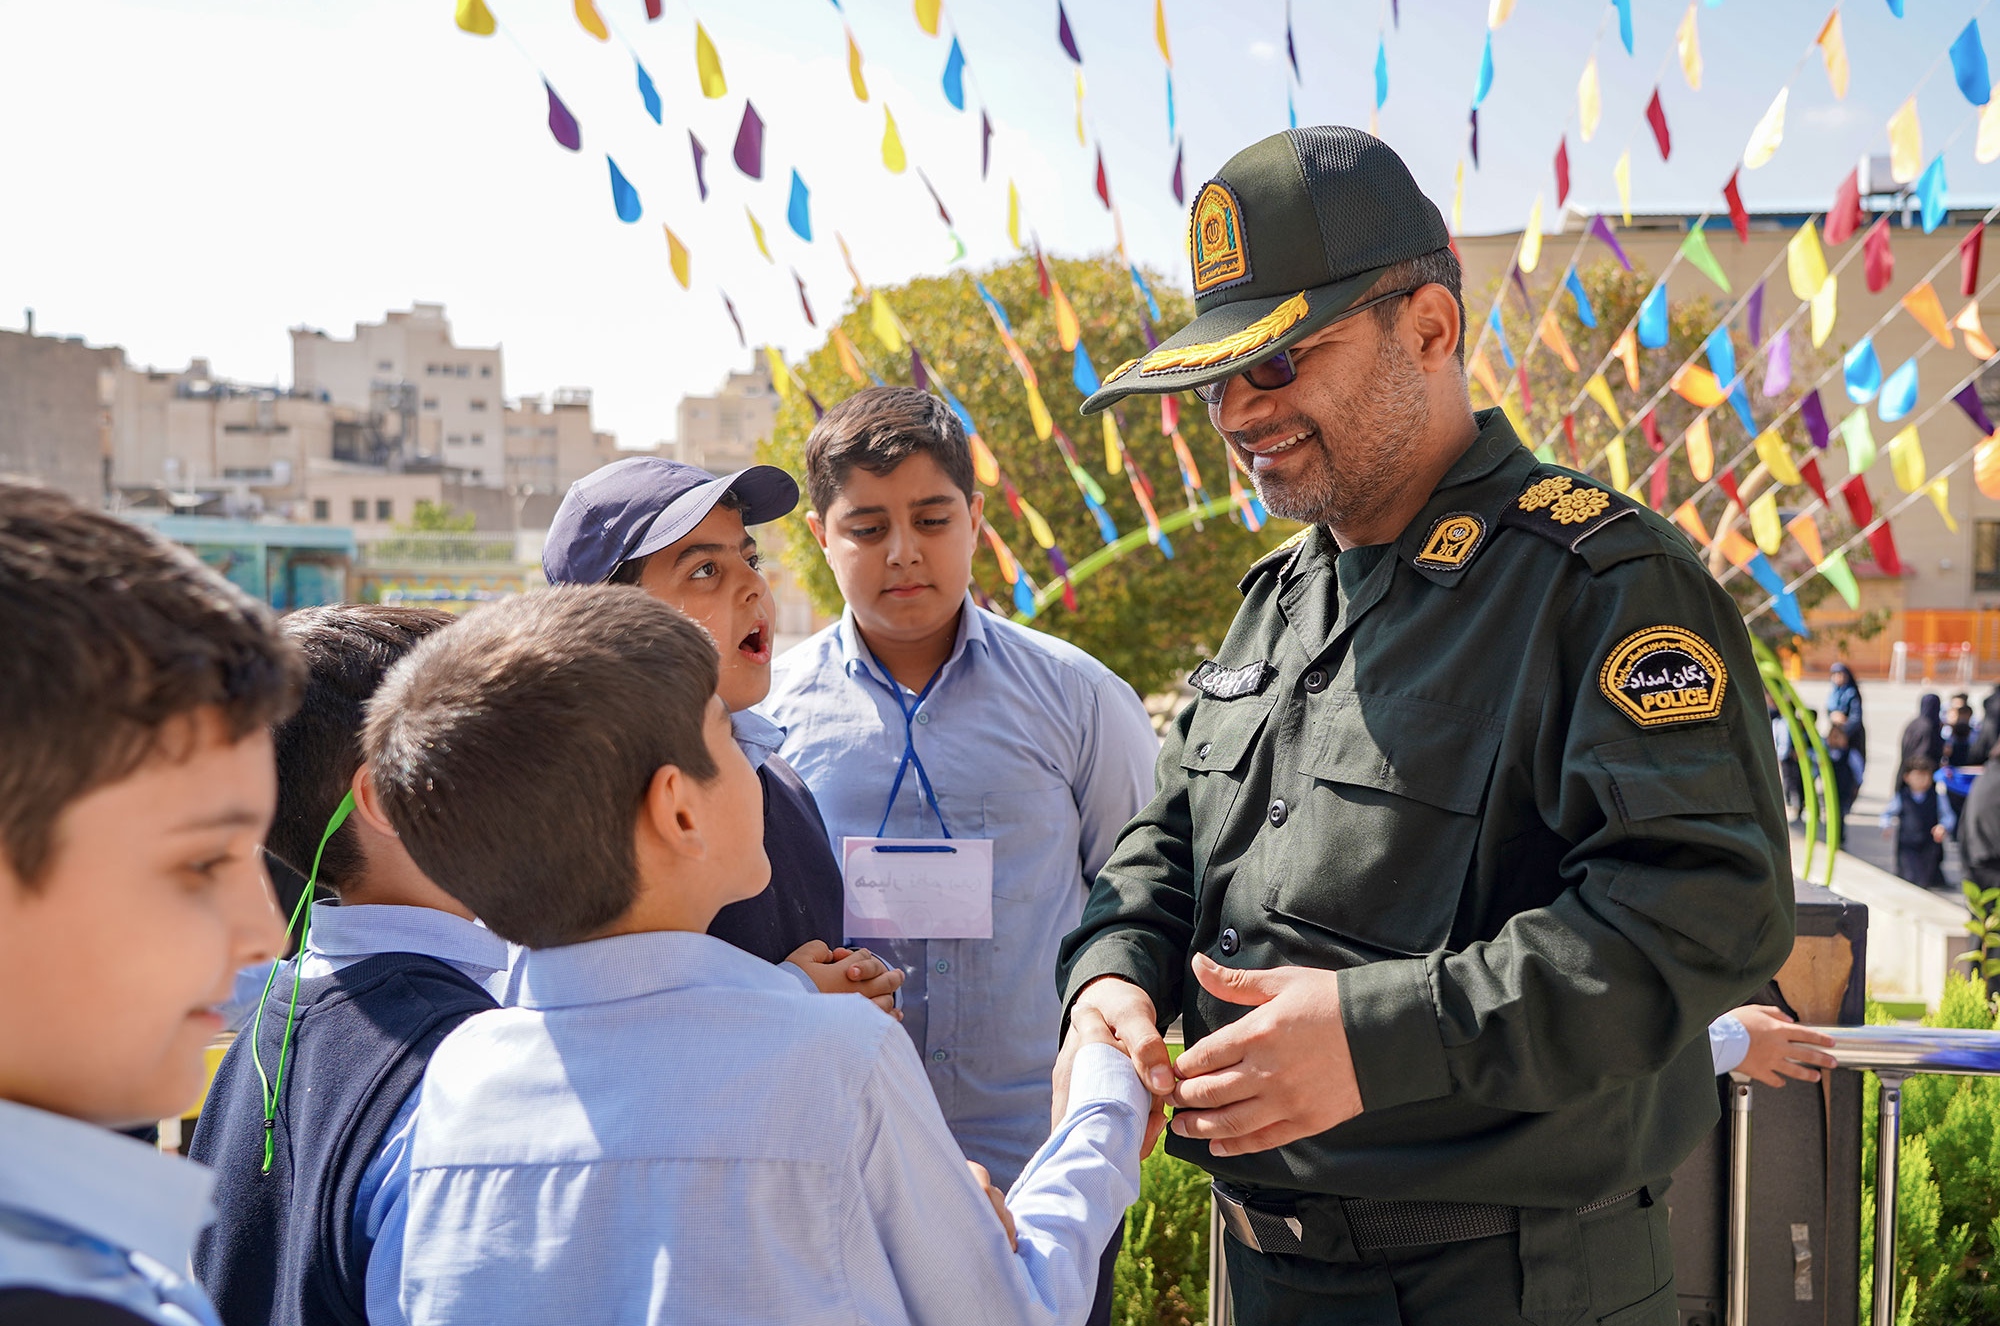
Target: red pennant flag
(1170, 413)
(1968, 261)
(1737, 216)
(653, 9)
(1652, 427)
(1862, 508)
(1859, 504)
(1880, 262)
(1013, 497)
(1562, 171)
(804, 303)
(1656, 490)
(1042, 270)
(1884, 545)
(1527, 398)
(1844, 217)
(1103, 184)
(1569, 431)
(1656, 116)
(1809, 471)
(1728, 481)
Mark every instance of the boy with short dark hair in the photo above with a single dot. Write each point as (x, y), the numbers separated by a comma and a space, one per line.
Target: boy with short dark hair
(313, 1103)
(136, 692)
(663, 1128)
(1920, 819)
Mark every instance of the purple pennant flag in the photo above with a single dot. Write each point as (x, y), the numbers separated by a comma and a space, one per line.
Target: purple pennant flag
(918, 378)
(1475, 149)
(1600, 229)
(1292, 50)
(740, 338)
(1778, 363)
(750, 143)
(1180, 190)
(1968, 401)
(1521, 284)
(1755, 310)
(700, 155)
(561, 123)
(1064, 35)
(1815, 417)
(985, 142)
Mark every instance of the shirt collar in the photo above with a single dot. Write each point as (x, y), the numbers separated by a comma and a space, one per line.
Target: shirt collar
(756, 736)
(359, 932)
(1480, 483)
(855, 655)
(602, 971)
(103, 1184)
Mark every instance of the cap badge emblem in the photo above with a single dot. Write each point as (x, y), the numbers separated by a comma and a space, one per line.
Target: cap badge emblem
(1216, 241)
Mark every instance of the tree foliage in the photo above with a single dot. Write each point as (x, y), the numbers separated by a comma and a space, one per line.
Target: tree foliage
(1148, 617)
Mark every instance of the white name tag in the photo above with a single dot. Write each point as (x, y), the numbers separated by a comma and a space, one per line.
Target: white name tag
(917, 888)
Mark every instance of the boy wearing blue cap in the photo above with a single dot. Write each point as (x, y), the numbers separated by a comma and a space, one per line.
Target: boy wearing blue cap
(678, 532)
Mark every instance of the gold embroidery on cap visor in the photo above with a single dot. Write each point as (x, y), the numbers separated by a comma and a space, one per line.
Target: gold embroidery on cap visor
(1452, 542)
(1251, 339)
(1215, 239)
(1664, 675)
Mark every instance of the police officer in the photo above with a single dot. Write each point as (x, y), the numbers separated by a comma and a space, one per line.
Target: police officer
(1472, 827)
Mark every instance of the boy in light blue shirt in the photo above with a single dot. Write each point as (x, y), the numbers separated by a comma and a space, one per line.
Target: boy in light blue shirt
(666, 1128)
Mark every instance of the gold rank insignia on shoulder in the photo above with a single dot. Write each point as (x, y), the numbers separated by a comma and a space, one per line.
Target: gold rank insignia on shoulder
(1564, 511)
(1452, 541)
(1663, 675)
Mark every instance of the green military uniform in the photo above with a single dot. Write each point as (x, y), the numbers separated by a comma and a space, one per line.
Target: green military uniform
(1511, 776)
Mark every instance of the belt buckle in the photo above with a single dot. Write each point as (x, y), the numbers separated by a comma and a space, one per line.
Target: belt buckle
(1236, 1219)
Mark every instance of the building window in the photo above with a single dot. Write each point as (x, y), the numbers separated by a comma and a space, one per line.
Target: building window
(361, 508)
(478, 476)
(1986, 554)
(486, 370)
(430, 370)
(430, 402)
(384, 508)
(478, 404)
(479, 439)
(454, 439)
(463, 370)
(322, 509)
(383, 366)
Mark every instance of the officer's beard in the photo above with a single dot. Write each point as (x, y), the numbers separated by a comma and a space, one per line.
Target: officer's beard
(1361, 450)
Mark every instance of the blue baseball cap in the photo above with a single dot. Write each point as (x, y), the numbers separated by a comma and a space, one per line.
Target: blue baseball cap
(637, 506)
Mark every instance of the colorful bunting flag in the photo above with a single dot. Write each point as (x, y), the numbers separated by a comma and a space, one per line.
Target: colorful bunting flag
(1480, 87)
(1814, 415)
(1688, 40)
(1906, 143)
(1833, 47)
(1551, 335)
(1697, 386)
(1569, 436)
(1589, 101)
(1777, 457)
(562, 125)
(1475, 137)
(1968, 66)
(843, 350)
(1626, 348)
(1899, 393)
(1860, 441)
(1103, 182)
(1986, 146)
(1809, 469)
(1624, 8)
(474, 17)
(1562, 172)
(1769, 133)
(1968, 261)
(1702, 258)
(1531, 238)
(1621, 175)
(781, 375)
(1739, 550)
(927, 15)
(1825, 308)
(1879, 260)
(1498, 12)
(708, 65)
(591, 21)
(892, 144)
(1653, 318)
(624, 198)
(1739, 219)
(1600, 391)
(798, 212)
(1065, 36)
(1930, 195)
(749, 152)
(1616, 463)
(1690, 520)
(1778, 363)
(1765, 525)
(1600, 230)
(1976, 342)
(1727, 479)
(1482, 373)
(1381, 73)
(647, 92)
(677, 257)
(1700, 449)
(1844, 217)
(1805, 262)
(1862, 371)
(1940, 493)
(1753, 313)
(1906, 459)
(1806, 530)
(954, 76)
(1986, 467)
(1291, 49)
(1721, 351)
(1068, 329)
(882, 321)
(757, 232)
(1656, 116)
(1835, 571)
(1585, 314)
(1967, 399)
(734, 321)
(985, 144)
(805, 305)
(700, 155)
(854, 78)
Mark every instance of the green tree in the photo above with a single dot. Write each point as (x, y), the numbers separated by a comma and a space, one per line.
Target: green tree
(437, 518)
(1148, 617)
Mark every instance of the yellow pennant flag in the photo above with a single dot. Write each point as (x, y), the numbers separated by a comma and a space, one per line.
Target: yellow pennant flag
(927, 15)
(1068, 332)
(1531, 238)
(1770, 132)
(592, 21)
(860, 286)
(1621, 174)
(1013, 214)
(1806, 530)
(708, 65)
(1689, 519)
(850, 363)
(1689, 41)
(1160, 30)
(1482, 373)
(1833, 46)
(1927, 312)
(1037, 526)
(1458, 198)
(1805, 261)
(1589, 101)
(677, 257)
(1967, 321)
(1614, 460)
(474, 17)
(1940, 491)
(1038, 413)
(781, 376)
(1697, 386)
(1700, 450)
(1079, 107)
(758, 231)
(1777, 459)
(1765, 526)
(1906, 459)
(1511, 407)
(882, 321)
(1906, 143)
(1552, 336)
(1114, 446)
(854, 77)
(892, 144)
(1824, 310)
(985, 467)
(1986, 466)
(1987, 146)
(1737, 549)
(1626, 347)
(1498, 12)
(1600, 391)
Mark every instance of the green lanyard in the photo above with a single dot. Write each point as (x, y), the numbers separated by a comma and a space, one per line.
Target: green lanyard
(274, 1089)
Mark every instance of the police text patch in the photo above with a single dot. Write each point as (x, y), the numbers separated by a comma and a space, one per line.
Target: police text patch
(1229, 683)
(1662, 675)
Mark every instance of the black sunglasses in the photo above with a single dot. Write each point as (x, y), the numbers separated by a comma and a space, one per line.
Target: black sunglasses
(1278, 370)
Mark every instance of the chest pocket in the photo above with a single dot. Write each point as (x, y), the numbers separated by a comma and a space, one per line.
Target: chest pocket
(1379, 848)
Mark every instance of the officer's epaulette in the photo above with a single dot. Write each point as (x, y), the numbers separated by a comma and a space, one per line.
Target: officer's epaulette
(1564, 509)
(1274, 559)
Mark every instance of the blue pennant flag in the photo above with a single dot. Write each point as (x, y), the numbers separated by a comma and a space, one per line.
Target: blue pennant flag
(1165, 545)
(1381, 73)
(1721, 355)
(1624, 8)
(1784, 602)
(1899, 393)
(1863, 371)
(647, 93)
(1485, 83)
(954, 76)
(1084, 373)
(994, 304)
(1493, 320)
(1173, 133)
(1930, 194)
(799, 210)
(958, 408)
(1968, 66)
(624, 197)
(1653, 318)
(1585, 314)
(1152, 305)
(1024, 598)
(1106, 529)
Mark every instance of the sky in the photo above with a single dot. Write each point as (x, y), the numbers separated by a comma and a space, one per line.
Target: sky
(194, 177)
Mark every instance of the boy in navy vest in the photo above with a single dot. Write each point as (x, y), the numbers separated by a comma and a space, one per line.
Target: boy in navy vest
(137, 689)
(304, 1165)
(678, 533)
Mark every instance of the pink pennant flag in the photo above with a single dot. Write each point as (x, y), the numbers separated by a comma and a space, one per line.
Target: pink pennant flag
(1562, 171)
(1879, 260)
(1844, 217)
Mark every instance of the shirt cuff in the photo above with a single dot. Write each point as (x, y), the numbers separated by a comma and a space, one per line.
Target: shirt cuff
(1103, 1074)
(1728, 1043)
(801, 975)
(1392, 1033)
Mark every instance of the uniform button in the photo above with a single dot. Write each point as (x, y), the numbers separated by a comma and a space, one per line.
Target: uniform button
(1229, 943)
(1316, 681)
(1201, 751)
(939, 1056)
(1278, 813)
(924, 717)
(943, 965)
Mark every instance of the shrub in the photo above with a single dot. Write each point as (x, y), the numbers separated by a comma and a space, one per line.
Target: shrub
(1162, 1274)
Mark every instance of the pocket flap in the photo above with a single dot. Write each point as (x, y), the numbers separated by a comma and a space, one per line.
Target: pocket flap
(1436, 753)
(1222, 732)
(1686, 771)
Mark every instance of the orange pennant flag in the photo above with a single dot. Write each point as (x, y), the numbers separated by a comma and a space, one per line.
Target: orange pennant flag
(1806, 530)
(849, 363)
(985, 467)
(1975, 336)
(1923, 306)
(1627, 349)
(1737, 549)
(1986, 466)
(1482, 373)
(1068, 330)
(1700, 449)
(1689, 519)
(1698, 386)
(1552, 336)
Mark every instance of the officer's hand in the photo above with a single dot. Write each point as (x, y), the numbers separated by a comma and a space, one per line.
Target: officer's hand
(1280, 1073)
(1127, 1012)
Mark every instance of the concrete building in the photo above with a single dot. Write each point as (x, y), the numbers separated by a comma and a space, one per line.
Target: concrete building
(720, 433)
(56, 398)
(549, 446)
(407, 364)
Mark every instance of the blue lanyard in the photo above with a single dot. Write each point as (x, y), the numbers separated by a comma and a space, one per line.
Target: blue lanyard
(910, 758)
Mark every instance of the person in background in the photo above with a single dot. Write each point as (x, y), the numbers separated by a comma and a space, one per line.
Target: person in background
(1844, 698)
(1962, 756)
(1923, 736)
(1788, 761)
(1979, 827)
(1921, 820)
(1764, 1044)
(1847, 765)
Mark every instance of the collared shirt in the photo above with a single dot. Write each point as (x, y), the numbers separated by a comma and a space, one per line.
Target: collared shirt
(668, 1130)
(756, 736)
(1028, 741)
(92, 1214)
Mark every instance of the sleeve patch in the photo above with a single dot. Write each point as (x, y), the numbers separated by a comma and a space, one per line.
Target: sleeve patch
(1664, 675)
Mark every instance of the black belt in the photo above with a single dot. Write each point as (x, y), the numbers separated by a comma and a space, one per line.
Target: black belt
(1372, 1224)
